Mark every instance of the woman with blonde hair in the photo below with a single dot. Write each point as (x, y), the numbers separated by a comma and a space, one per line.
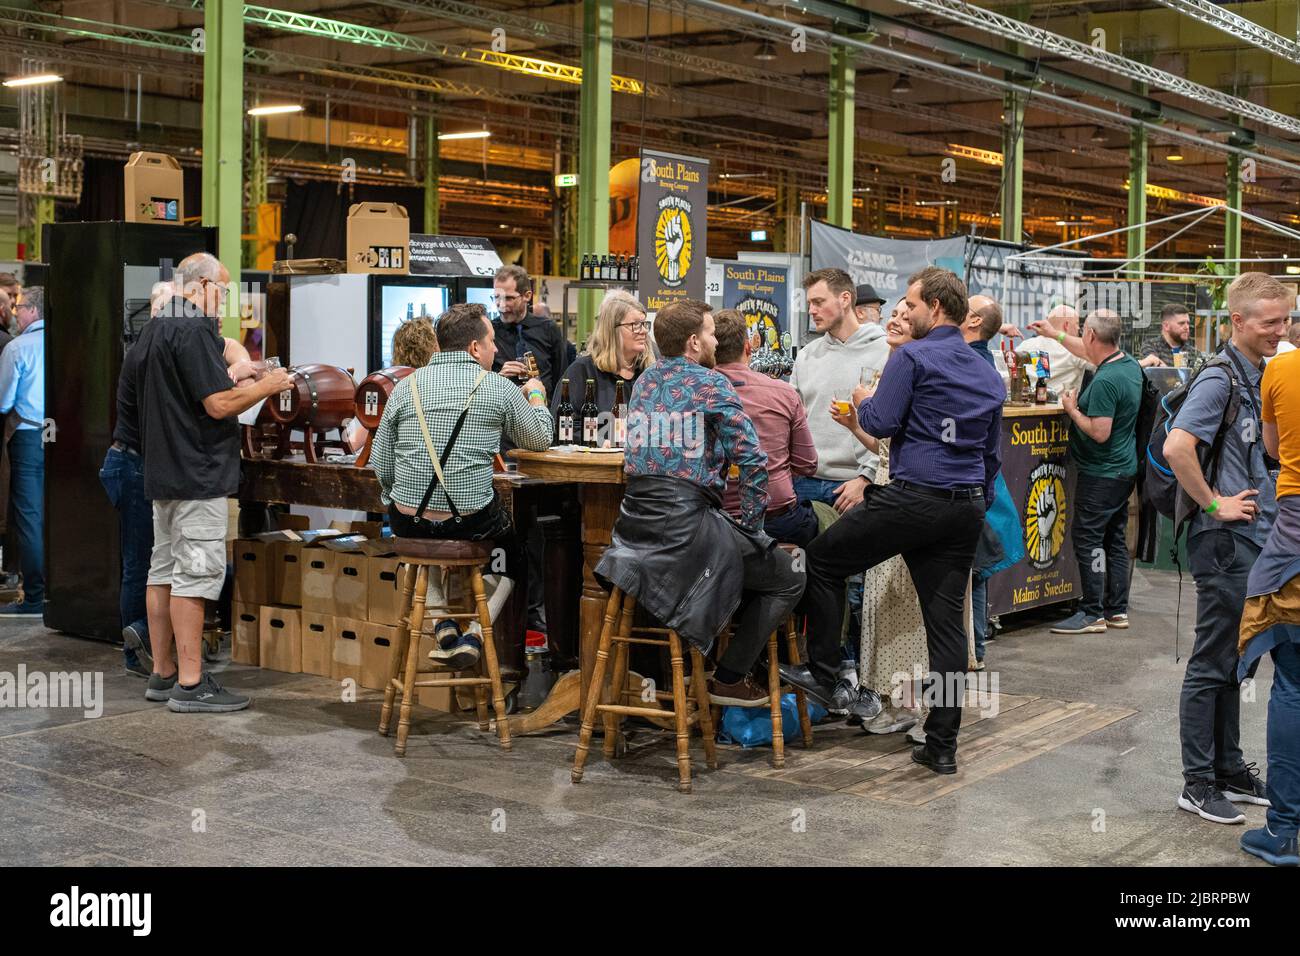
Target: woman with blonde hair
(414, 343)
(618, 350)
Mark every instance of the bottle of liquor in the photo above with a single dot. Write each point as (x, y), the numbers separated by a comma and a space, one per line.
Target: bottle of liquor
(622, 268)
(636, 269)
(597, 268)
(1040, 389)
(605, 268)
(584, 273)
(564, 416)
(410, 311)
(590, 416)
(620, 415)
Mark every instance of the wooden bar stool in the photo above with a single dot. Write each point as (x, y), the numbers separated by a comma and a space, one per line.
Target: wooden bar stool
(618, 629)
(775, 690)
(417, 556)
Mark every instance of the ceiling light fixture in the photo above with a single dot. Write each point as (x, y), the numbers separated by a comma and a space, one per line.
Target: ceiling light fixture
(901, 85)
(470, 134)
(275, 110)
(766, 51)
(36, 79)
(1175, 157)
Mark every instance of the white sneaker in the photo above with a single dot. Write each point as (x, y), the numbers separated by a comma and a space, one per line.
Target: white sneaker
(893, 720)
(917, 734)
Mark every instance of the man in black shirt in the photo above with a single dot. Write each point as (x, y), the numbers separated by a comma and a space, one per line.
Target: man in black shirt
(518, 331)
(189, 440)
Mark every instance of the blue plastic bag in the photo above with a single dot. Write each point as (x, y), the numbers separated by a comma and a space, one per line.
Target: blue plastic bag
(752, 726)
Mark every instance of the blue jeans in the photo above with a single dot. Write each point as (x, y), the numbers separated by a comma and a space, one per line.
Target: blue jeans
(1284, 741)
(123, 478)
(795, 527)
(27, 493)
(979, 601)
(823, 490)
(1100, 519)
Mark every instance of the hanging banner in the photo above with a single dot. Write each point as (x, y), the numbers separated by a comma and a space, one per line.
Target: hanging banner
(761, 294)
(672, 228)
(880, 261)
(453, 256)
(1030, 288)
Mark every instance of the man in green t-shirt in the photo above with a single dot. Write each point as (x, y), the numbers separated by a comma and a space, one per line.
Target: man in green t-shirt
(1103, 446)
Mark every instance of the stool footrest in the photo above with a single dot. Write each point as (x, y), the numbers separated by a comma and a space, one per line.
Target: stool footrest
(627, 711)
(446, 682)
(619, 639)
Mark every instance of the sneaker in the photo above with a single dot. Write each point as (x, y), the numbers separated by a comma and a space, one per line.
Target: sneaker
(135, 669)
(1081, 624)
(917, 734)
(138, 645)
(843, 697)
(1204, 799)
(975, 665)
(19, 609)
(743, 693)
(160, 688)
(1271, 848)
(207, 697)
(892, 721)
(1117, 620)
(865, 707)
(455, 650)
(1245, 787)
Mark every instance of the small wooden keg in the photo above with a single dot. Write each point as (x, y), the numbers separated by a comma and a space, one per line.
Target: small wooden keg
(321, 397)
(371, 397)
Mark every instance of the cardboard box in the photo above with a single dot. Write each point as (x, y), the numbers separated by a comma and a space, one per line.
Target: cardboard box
(437, 698)
(286, 578)
(155, 189)
(317, 644)
(346, 642)
(378, 644)
(379, 238)
(280, 639)
(254, 571)
(317, 588)
(244, 634)
(384, 587)
(350, 595)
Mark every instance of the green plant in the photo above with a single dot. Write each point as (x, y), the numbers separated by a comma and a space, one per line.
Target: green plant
(1220, 275)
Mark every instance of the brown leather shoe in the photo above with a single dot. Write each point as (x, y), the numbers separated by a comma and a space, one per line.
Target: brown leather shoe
(743, 693)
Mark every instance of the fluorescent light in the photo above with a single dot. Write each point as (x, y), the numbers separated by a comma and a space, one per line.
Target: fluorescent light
(275, 110)
(36, 79)
(1175, 157)
(471, 134)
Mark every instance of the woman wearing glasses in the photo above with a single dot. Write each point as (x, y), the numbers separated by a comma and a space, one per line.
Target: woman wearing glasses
(618, 350)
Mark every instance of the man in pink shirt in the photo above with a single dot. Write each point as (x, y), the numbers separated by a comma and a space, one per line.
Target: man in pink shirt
(782, 425)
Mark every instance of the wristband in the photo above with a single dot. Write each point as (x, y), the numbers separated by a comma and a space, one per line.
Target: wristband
(1060, 338)
(536, 393)
(1212, 507)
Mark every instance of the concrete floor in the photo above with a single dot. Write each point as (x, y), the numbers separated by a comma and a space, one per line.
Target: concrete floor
(302, 778)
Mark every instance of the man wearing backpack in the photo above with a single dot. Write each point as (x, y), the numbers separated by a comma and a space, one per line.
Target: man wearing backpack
(1103, 445)
(1215, 447)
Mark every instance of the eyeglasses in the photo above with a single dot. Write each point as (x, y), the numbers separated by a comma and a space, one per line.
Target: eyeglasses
(222, 287)
(640, 326)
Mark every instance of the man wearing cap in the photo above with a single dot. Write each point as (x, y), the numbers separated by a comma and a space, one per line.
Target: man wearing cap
(866, 305)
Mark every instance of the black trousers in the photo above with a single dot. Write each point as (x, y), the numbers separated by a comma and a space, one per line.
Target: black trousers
(937, 539)
(492, 523)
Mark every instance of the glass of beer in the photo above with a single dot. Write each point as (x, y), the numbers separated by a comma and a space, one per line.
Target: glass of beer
(842, 406)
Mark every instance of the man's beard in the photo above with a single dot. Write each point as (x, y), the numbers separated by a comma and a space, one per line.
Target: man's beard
(708, 360)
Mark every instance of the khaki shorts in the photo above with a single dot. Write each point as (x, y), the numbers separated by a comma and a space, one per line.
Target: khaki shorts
(189, 547)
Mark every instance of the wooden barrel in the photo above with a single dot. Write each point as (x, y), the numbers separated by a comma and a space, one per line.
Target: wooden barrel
(321, 397)
(372, 393)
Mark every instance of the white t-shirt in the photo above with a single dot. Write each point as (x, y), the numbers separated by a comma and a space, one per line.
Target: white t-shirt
(1066, 368)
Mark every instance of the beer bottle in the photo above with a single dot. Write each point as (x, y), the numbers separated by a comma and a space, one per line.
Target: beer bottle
(590, 416)
(585, 272)
(622, 268)
(620, 415)
(564, 416)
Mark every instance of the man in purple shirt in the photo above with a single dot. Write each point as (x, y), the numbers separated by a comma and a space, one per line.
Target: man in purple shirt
(940, 405)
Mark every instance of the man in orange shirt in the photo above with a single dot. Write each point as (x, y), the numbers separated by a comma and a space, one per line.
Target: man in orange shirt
(1271, 621)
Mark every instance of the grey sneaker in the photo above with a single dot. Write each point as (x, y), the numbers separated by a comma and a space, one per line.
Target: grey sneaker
(893, 721)
(917, 734)
(137, 642)
(1081, 623)
(207, 697)
(1117, 620)
(866, 707)
(1245, 787)
(843, 697)
(159, 689)
(1204, 799)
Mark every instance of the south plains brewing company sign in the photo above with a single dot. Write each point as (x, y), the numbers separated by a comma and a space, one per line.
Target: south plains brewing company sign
(672, 228)
(760, 294)
(1034, 448)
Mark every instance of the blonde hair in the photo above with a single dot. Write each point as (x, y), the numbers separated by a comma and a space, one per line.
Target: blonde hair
(1249, 287)
(414, 343)
(603, 344)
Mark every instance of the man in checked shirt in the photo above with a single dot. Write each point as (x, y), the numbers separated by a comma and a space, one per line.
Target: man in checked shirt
(940, 404)
(457, 377)
(684, 559)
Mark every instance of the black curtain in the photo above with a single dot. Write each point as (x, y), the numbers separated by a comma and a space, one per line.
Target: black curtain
(317, 213)
(103, 193)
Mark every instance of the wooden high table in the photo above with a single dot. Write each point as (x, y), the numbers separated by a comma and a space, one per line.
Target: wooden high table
(599, 477)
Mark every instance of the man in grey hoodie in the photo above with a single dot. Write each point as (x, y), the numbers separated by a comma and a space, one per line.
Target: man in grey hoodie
(847, 353)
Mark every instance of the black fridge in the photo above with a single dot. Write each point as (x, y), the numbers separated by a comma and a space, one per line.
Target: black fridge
(97, 298)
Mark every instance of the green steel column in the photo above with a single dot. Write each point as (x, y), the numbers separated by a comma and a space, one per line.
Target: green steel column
(839, 171)
(1137, 201)
(785, 237)
(1013, 167)
(223, 130)
(43, 209)
(432, 176)
(593, 144)
(255, 194)
(1232, 223)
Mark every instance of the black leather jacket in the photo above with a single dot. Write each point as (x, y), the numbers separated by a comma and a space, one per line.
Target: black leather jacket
(679, 555)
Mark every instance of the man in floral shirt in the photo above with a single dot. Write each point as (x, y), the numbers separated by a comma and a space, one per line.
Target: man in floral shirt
(673, 547)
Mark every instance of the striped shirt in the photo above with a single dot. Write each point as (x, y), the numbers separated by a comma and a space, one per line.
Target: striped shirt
(400, 458)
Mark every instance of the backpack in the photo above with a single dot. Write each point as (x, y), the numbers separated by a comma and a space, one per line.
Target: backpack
(1160, 486)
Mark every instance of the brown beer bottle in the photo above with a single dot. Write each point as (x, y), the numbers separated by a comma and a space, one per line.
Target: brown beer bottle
(564, 416)
(620, 415)
(590, 416)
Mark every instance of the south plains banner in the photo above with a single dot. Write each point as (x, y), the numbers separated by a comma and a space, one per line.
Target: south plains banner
(761, 294)
(672, 228)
